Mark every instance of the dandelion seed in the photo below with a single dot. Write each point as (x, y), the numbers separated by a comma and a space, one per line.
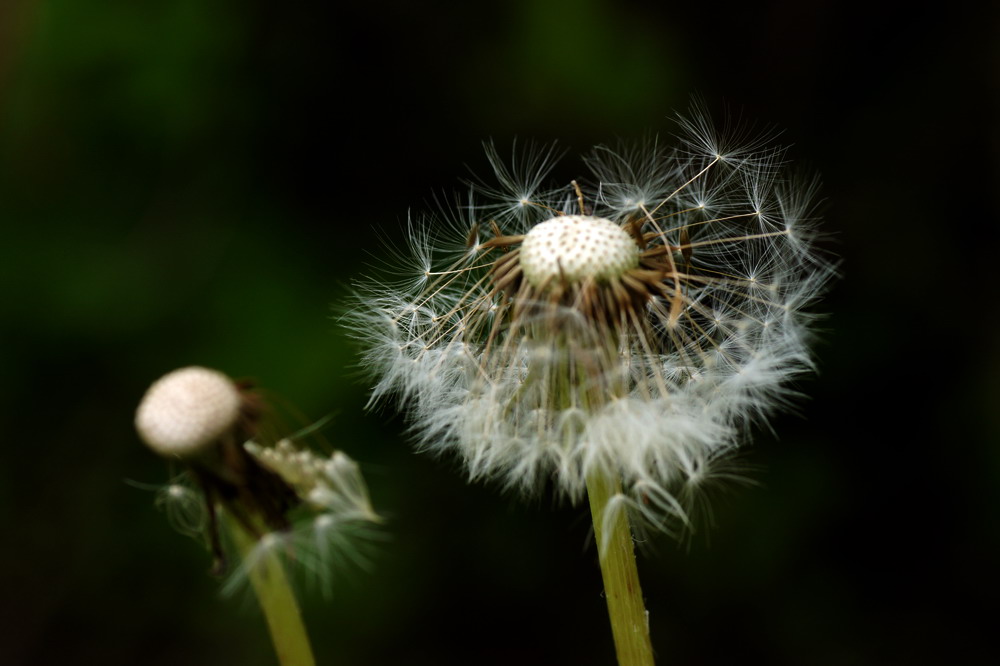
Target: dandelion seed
(183, 505)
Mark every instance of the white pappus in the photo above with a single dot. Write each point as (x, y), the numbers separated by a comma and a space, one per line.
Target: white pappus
(629, 325)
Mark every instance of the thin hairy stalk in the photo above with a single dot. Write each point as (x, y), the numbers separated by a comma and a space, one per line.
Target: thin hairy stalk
(629, 621)
(276, 599)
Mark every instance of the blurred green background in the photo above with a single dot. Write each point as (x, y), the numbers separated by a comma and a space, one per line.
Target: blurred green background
(197, 182)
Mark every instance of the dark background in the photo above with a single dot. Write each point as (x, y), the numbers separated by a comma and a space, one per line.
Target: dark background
(197, 181)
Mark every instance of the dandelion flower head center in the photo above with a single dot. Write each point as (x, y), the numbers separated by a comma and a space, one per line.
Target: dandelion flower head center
(186, 410)
(574, 248)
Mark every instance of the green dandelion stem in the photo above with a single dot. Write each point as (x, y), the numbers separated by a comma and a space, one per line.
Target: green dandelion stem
(274, 594)
(629, 622)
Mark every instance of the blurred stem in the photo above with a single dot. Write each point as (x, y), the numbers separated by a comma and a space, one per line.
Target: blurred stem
(629, 622)
(284, 621)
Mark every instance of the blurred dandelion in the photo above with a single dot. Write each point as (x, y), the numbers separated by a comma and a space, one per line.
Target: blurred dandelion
(284, 506)
(612, 338)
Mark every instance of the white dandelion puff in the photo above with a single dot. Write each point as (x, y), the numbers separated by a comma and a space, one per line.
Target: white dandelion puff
(630, 327)
(613, 338)
(185, 411)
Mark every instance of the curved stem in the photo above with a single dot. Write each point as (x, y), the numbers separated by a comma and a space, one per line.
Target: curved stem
(629, 620)
(284, 621)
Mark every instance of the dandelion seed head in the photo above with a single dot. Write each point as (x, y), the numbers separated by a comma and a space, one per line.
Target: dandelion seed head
(186, 410)
(309, 510)
(572, 248)
(632, 328)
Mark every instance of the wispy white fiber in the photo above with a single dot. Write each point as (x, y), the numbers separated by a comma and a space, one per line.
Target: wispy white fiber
(647, 370)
